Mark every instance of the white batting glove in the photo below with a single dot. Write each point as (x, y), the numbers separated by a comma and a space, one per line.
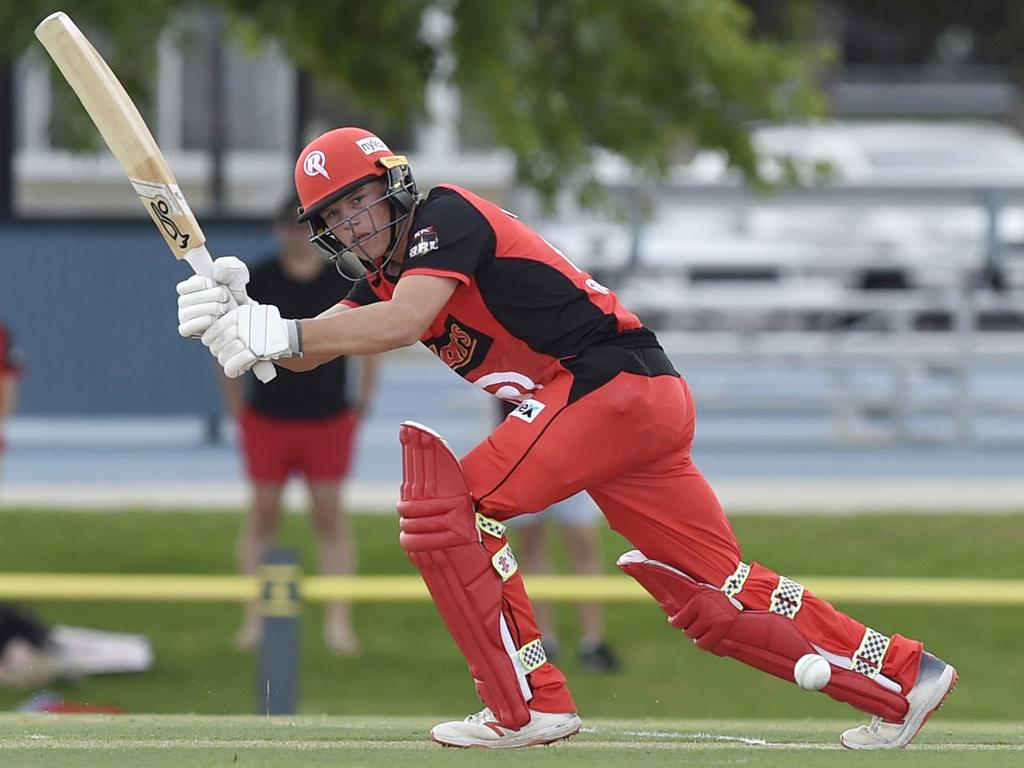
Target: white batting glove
(201, 301)
(233, 274)
(249, 334)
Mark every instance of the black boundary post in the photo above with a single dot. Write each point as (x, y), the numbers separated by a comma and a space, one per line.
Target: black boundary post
(280, 604)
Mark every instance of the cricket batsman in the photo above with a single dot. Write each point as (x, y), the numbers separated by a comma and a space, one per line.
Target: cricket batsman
(600, 408)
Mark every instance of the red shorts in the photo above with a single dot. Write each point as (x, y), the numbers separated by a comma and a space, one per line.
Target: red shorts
(320, 449)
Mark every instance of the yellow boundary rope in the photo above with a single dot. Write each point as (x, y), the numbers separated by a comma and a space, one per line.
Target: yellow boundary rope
(383, 589)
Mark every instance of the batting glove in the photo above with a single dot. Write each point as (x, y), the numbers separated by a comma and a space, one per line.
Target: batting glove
(201, 301)
(249, 334)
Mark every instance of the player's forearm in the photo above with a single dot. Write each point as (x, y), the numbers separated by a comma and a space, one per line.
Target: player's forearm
(361, 331)
(304, 363)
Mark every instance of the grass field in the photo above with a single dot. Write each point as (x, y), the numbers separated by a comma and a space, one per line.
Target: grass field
(156, 741)
(197, 671)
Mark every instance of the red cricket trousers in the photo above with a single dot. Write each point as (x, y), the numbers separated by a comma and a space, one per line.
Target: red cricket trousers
(628, 444)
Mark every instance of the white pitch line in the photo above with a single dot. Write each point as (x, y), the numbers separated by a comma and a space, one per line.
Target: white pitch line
(705, 742)
(123, 745)
(740, 744)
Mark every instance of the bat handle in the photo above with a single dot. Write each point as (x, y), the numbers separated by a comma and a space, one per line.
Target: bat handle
(202, 264)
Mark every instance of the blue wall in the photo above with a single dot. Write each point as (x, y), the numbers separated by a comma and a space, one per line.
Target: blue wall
(93, 308)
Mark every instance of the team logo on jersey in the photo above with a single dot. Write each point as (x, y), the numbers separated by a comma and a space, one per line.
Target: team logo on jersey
(423, 241)
(315, 163)
(461, 348)
(528, 410)
(508, 385)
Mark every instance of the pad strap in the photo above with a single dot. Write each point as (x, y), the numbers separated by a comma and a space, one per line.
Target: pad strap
(489, 526)
(532, 655)
(735, 583)
(787, 599)
(868, 658)
(505, 563)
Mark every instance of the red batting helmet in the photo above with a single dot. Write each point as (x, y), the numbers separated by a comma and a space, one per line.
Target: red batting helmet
(333, 165)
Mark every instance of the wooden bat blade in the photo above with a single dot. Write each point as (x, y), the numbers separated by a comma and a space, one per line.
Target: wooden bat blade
(124, 131)
(129, 139)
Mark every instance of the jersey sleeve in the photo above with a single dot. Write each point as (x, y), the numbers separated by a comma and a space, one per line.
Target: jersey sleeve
(450, 238)
(360, 295)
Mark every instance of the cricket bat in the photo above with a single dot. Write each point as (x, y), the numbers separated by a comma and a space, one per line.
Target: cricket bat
(125, 133)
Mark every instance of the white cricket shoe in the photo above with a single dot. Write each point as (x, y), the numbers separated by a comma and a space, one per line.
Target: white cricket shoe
(935, 681)
(483, 730)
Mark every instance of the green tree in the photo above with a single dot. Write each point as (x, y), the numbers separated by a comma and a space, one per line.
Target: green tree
(555, 81)
(558, 80)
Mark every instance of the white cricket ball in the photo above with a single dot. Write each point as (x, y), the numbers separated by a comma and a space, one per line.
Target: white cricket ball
(812, 672)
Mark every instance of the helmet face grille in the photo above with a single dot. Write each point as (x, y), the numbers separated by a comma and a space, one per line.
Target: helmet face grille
(346, 251)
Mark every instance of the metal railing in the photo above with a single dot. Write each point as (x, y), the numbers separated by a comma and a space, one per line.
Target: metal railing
(878, 362)
(867, 353)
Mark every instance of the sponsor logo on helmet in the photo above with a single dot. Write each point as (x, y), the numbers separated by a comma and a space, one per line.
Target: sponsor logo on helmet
(424, 241)
(315, 163)
(372, 144)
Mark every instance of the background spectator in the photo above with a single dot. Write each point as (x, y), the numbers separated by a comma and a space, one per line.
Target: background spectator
(311, 433)
(10, 369)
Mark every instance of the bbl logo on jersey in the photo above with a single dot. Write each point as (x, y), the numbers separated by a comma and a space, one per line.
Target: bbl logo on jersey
(423, 241)
(461, 348)
(528, 410)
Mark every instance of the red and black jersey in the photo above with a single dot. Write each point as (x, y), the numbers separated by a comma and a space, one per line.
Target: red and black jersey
(523, 311)
(10, 355)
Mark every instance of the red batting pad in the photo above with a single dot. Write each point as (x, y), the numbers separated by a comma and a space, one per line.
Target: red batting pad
(438, 532)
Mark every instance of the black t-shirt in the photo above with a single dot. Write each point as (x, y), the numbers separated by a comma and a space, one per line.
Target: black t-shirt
(314, 394)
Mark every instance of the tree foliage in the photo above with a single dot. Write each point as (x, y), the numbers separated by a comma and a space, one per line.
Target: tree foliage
(555, 81)
(126, 32)
(373, 51)
(560, 79)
